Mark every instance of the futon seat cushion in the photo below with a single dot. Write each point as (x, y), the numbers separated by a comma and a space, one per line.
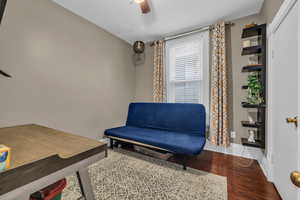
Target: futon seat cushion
(177, 142)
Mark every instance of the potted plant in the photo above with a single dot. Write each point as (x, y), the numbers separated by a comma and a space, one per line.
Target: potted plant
(254, 89)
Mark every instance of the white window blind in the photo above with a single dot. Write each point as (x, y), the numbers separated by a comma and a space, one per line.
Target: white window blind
(187, 69)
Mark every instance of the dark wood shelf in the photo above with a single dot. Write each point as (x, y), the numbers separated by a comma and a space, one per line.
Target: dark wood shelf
(250, 124)
(244, 87)
(257, 143)
(253, 31)
(248, 105)
(252, 68)
(5, 74)
(252, 50)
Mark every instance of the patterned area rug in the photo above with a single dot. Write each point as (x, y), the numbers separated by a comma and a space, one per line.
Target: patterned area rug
(131, 176)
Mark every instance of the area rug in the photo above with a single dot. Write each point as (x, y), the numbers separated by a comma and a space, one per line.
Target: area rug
(132, 176)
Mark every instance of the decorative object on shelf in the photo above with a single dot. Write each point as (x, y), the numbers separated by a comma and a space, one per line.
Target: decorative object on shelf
(253, 24)
(246, 43)
(253, 60)
(251, 42)
(251, 137)
(254, 89)
(139, 53)
(254, 41)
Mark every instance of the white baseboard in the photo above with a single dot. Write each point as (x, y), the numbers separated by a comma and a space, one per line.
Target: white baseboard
(236, 150)
(245, 152)
(266, 167)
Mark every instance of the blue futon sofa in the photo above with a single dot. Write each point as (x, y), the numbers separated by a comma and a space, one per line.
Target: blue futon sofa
(177, 128)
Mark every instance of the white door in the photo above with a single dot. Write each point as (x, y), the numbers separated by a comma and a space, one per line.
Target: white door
(285, 100)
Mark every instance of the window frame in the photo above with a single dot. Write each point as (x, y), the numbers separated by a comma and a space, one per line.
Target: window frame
(204, 83)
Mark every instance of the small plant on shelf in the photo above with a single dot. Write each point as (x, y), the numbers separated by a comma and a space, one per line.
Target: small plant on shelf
(254, 89)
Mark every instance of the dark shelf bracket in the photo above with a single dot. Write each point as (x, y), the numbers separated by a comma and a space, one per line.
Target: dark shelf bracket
(248, 105)
(245, 87)
(257, 143)
(253, 31)
(5, 74)
(250, 124)
(252, 50)
(252, 68)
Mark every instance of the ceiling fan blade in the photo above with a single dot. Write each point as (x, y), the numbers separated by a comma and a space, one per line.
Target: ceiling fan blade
(145, 7)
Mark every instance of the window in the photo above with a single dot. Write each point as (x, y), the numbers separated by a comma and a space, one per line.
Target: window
(187, 69)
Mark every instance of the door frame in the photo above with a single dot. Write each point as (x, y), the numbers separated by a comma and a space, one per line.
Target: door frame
(284, 10)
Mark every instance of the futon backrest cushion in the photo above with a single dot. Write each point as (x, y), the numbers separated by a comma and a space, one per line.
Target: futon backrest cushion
(186, 118)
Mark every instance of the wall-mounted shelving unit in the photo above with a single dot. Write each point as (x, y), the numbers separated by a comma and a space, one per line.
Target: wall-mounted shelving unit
(252, 68)
(253, 31)
(251, 124)
(261, 51)
(248, 105)
(257, 143)
(252, 50)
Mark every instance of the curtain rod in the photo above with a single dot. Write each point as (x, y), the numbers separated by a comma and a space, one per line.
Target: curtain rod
(190, 33)
(186, 33)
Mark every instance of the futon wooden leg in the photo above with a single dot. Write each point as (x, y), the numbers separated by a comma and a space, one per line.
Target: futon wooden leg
(111, 143)
(85, 184)
(184, 161)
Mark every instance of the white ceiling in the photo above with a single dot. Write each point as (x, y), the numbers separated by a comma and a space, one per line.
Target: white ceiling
(123, 18)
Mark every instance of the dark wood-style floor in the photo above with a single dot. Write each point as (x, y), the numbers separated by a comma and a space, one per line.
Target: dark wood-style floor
(245, 179)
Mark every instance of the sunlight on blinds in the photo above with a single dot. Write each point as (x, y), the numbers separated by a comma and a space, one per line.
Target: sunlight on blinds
(187, 69)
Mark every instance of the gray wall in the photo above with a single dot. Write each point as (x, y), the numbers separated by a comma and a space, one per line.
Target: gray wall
(270, 9)
(144, 73)
(67, 73)
(71, 75)
(144, 77)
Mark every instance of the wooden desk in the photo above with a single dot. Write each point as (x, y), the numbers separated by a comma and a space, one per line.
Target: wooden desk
(42, 156)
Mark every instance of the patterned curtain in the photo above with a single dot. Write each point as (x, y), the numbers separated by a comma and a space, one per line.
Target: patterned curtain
(159, 74)
(219, 133)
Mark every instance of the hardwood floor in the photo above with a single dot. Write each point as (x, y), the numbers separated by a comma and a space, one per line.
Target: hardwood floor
(245, 179)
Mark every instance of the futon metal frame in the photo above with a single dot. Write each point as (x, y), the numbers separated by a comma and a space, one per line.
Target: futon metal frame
(184, 158)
